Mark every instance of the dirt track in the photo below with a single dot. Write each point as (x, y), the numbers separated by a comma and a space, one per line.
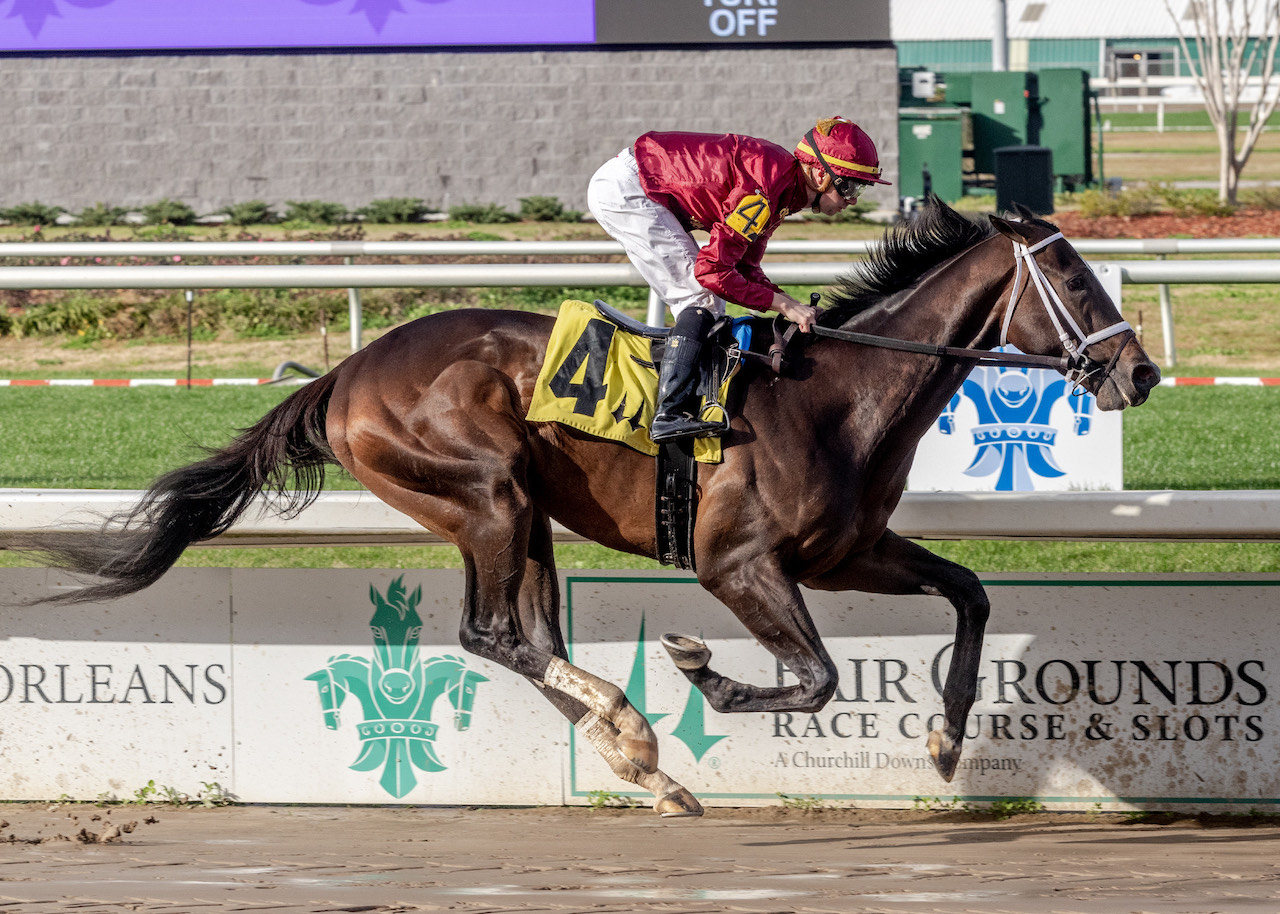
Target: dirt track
(309, 859)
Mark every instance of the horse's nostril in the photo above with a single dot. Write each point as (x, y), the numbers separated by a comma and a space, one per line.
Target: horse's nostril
(1146, 376)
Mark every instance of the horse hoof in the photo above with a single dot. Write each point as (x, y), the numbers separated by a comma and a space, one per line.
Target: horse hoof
(687, 652)
(679, 805)
(642, 754)
(945, 754)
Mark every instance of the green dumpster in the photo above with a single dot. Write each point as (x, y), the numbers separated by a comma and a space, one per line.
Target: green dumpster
(1067, 124)
(929, 149)
(959, 88)
(1005, 113)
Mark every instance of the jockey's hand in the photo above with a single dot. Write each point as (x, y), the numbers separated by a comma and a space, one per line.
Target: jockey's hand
(803, 315)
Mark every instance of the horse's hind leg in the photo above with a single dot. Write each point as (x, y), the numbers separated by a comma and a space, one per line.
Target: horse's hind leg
(540, 618)
(899, 566)
(456, 461)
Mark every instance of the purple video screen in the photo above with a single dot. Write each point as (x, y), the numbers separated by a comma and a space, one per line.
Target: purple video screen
(142, 25)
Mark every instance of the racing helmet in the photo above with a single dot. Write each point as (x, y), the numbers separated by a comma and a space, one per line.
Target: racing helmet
(845, 153)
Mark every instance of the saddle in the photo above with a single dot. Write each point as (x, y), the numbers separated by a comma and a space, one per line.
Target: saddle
(600, 376)
(731, 335)
(676, 495)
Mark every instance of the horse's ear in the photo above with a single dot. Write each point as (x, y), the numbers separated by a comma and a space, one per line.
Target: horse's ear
(1024, 214)
(1015, 230)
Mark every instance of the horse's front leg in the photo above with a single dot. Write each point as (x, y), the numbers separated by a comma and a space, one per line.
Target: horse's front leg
(898, 566)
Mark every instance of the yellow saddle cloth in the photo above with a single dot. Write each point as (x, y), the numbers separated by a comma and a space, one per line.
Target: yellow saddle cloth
(601, 379)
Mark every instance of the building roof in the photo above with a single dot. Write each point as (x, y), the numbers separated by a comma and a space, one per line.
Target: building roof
(956, 20)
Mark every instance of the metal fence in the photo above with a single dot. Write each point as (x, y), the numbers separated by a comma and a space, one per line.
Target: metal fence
(353, 276)
(307, 249)
(356, 518)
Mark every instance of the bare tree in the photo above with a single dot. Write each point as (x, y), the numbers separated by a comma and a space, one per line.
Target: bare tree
(1226, 57)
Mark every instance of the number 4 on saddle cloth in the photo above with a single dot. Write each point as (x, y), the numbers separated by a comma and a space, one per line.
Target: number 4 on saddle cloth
(600, 376)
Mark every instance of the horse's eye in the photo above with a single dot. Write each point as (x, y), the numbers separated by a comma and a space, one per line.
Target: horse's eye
(1076, 283)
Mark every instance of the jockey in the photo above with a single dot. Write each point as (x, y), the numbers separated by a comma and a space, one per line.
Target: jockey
(738, 188)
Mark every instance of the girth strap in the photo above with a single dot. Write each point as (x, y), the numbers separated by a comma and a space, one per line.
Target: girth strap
(676, 505)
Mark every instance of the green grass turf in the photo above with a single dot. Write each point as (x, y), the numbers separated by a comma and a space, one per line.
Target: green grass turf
(1183, 438)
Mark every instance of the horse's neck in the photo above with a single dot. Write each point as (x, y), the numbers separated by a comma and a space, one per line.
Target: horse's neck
(959, 303)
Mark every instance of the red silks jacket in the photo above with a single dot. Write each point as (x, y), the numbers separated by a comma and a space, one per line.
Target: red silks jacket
(738, 189)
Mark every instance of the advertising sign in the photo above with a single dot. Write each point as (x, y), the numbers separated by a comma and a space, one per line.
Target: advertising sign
(348, 686)
(87, 25)
(1092, 690)
(1014, 429)
(352, 688)
(320, 686)
(101, 700)
(739, 21)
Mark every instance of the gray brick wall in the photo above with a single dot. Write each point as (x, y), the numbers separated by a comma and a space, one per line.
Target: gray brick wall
(450, 127)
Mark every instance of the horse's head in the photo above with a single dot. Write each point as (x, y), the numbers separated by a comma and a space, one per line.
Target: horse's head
(1057, 306)
(459, 686)
(396, 627)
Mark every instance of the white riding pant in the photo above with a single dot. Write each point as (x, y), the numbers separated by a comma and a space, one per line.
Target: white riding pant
(655, 241)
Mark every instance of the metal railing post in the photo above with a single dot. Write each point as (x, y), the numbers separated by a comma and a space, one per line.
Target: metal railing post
(1166, 321)
(356, 310)
(657, 316)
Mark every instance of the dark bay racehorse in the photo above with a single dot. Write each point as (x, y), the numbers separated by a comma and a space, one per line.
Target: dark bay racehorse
(431, 418)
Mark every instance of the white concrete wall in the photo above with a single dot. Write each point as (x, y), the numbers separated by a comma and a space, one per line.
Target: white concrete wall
(1156, 690)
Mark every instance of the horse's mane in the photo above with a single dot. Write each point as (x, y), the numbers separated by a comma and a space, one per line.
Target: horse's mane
(909, 250)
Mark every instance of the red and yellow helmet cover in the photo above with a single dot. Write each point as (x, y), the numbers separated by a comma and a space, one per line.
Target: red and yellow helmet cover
(846, 147)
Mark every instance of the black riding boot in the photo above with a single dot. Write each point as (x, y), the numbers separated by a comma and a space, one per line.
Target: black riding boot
(677, 415)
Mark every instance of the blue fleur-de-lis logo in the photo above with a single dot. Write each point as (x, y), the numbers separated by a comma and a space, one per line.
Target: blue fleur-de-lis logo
(376, 11)
(397, 691)
(34, 13)
(1013, 436)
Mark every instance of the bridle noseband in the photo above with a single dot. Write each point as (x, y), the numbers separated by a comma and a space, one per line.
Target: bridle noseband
(1076, 342)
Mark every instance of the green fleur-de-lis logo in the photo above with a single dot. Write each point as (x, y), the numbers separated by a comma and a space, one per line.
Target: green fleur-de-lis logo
(397, 691)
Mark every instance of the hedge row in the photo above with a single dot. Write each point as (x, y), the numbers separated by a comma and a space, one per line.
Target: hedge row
(390, 211)
(87, 317)
(1161, 197)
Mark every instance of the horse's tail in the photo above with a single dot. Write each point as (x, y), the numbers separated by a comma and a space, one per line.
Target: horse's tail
(285, 454)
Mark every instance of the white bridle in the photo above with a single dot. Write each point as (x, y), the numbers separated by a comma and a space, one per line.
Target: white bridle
(1074, 340)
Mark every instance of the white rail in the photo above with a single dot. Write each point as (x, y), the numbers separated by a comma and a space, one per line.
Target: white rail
(354, 277)
(359, 519)
(324, 276)
(338, 276)
(305, 248)
(1199, 271)
(250, 249)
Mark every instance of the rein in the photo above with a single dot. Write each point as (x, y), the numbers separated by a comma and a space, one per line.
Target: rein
(983, 356)
(1076, 365)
